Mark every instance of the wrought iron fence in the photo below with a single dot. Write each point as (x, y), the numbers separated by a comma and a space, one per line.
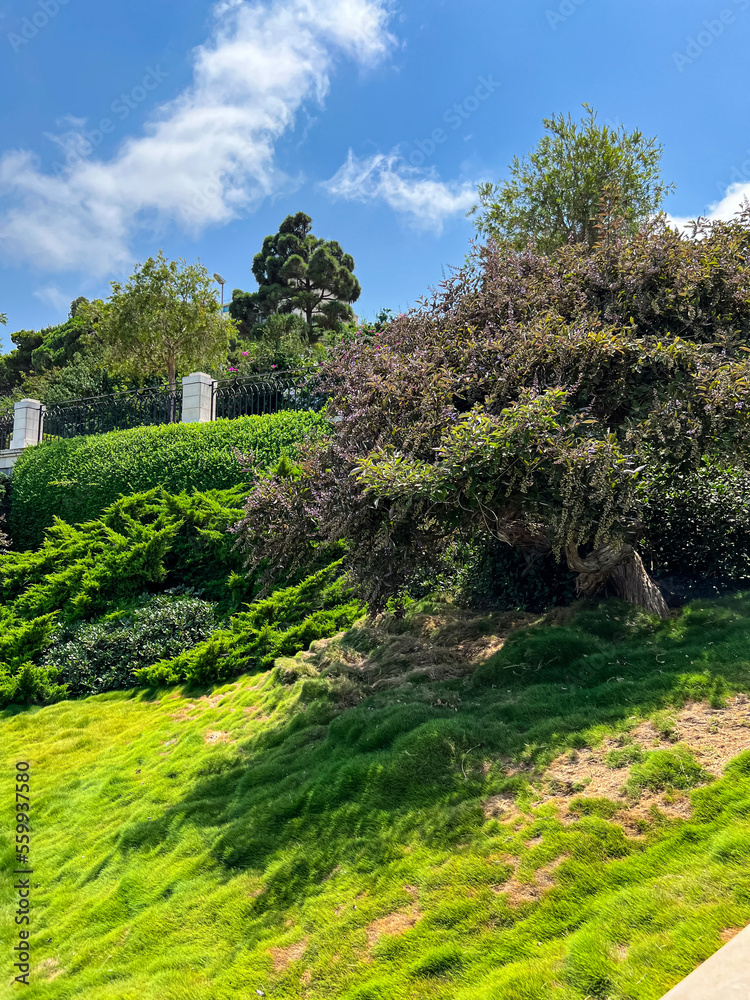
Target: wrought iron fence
(6, 430)
(118, 411)
(253, 395)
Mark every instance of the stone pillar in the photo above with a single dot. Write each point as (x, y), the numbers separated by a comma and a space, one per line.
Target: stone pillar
(26, 418)
(197, 398)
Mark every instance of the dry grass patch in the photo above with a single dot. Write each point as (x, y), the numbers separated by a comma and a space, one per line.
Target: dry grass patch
(49, 969)
(729, 933)
(393, 924)
(216, 736)
(519, 892)
(283, 957)
(436, 647)
(714, 736)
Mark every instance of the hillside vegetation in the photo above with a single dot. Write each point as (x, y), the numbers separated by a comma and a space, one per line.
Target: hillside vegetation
(77, 478)
(502, 807)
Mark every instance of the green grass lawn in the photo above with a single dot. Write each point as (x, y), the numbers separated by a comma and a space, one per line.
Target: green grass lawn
(414, 810)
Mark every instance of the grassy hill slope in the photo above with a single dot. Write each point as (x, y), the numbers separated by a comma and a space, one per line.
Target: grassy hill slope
(416, 809)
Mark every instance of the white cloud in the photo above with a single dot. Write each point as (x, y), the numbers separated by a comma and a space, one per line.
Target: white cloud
(722, 210)
(414, 191)
(53, 296)
(207, 155)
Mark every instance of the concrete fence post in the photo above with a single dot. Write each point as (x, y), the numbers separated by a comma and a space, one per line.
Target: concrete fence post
(197, 398)
(26, 423)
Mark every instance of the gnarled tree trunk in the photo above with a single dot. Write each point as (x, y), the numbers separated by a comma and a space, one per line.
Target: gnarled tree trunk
(624, 568)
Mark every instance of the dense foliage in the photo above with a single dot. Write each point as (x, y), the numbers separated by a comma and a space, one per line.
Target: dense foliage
(165, 317)
(578, 171)
(282, 343)
(698, 524)
(151, 577)
(144, 542)
(77, 478)
(281, 625)
(523, 403)
(298, 272)
(104, 655)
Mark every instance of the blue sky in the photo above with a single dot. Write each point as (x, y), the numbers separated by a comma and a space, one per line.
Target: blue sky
(196, 127)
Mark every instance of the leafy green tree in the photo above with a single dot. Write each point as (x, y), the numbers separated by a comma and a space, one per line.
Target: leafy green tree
(76, 304)
(166, 316)
(298, 272)
(577, 173)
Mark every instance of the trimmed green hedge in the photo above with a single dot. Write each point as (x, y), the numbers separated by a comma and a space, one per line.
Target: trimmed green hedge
(78, 478)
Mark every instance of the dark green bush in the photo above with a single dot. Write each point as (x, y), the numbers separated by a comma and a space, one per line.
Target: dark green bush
(698, 525)
(104, 655)
(78, 478)
(492, 574)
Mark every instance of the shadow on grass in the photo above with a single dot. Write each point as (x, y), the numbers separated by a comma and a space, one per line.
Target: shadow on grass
(331, 785)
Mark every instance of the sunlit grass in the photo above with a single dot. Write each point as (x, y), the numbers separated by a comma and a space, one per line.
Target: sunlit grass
(313, 838)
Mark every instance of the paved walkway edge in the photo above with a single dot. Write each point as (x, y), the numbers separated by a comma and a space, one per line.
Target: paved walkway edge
(724, 976)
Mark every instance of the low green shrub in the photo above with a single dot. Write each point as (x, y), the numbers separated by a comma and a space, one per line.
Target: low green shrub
(78, 478)
(95, 583)
(280, 625)
(104, 655)
(150, 541)
(21, 680)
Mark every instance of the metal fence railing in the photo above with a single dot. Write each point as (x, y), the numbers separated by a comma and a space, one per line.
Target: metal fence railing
(117, 411)
(253, 395)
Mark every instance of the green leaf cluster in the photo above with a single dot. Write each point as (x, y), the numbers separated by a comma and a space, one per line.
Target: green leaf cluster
(103, 655)
(580, 175)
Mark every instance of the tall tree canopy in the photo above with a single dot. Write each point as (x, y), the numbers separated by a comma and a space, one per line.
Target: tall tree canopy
(298, 272)
(530, 402)
(166, 316)
(577, 172)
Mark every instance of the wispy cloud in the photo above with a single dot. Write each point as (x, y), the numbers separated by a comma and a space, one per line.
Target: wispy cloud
(417, 193)
(207, 155)
(723, 209)
(51, 295)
